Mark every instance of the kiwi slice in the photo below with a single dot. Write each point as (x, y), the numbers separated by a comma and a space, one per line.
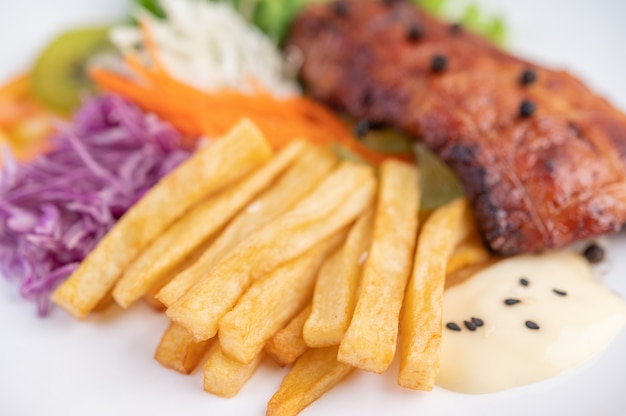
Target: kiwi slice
(59, 76)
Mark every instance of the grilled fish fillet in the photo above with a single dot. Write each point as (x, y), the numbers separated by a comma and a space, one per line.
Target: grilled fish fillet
(540, 156)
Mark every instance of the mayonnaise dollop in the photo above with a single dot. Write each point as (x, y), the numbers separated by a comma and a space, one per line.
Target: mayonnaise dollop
(535, 316)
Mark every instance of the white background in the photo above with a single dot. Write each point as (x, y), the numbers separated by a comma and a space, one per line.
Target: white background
(104, 366)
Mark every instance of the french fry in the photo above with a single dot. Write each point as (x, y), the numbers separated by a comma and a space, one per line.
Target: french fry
(206, 172)
(295, 182)
(288, 344)
(335, 292)
(271, 302)
(470, 252)
(224, 376)
(153, 302)
(334, 203)
(104, 303)
(316, 372)
(291, 187)
(158, 261)
(420, 341)
(461, 275)
(370, 341)
(150, 296)
(178, 351)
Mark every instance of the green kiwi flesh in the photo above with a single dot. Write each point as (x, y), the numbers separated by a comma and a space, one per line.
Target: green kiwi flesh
(59, 76)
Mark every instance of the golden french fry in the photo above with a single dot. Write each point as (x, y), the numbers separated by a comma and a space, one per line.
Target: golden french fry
(461, 275)
(288, 344)
(150, 296)
(291, 187)
(370, 341)
(178, 351)
(420, 342)
(316, 372)
(157, 263)
(207, 171)
(470, 252)
(104, 303)
(335, 294)
(271, 302)
(224, 376)
(335, 203)
(153, 302)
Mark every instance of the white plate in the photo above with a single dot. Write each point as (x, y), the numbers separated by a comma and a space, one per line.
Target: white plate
(104, 366)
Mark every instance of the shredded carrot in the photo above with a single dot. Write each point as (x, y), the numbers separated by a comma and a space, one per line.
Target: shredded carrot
(198, 113)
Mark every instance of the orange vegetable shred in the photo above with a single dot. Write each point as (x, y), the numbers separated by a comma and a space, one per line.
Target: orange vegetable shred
(25, 124)
(197, 113)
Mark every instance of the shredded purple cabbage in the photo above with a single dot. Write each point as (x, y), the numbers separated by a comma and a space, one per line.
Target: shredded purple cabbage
(55, 209)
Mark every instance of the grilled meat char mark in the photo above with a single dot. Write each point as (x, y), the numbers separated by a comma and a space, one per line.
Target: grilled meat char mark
(538, 178)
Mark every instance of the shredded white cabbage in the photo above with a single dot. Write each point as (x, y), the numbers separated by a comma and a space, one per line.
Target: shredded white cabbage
(210, 46)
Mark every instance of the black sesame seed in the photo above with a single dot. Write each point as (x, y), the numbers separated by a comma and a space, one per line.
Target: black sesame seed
(478, 321)
(414, 32)
(531, 325)
(527, 108)
(510, 301)
(361, 128)
(523, 281)
(453, 326)
(439, 63)
(594, 253)
(528, 77)
(470, 325)
(560, 292)
(340, 9)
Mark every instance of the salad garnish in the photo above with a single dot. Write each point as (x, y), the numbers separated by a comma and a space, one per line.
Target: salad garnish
(209, 46)
(55, 209)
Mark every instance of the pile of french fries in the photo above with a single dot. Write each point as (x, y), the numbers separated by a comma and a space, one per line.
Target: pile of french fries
(314, 262)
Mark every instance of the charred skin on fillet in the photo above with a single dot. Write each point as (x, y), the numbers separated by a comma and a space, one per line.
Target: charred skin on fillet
(541, 157)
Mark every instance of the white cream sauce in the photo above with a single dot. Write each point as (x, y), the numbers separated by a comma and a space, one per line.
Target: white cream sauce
(573, 325)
